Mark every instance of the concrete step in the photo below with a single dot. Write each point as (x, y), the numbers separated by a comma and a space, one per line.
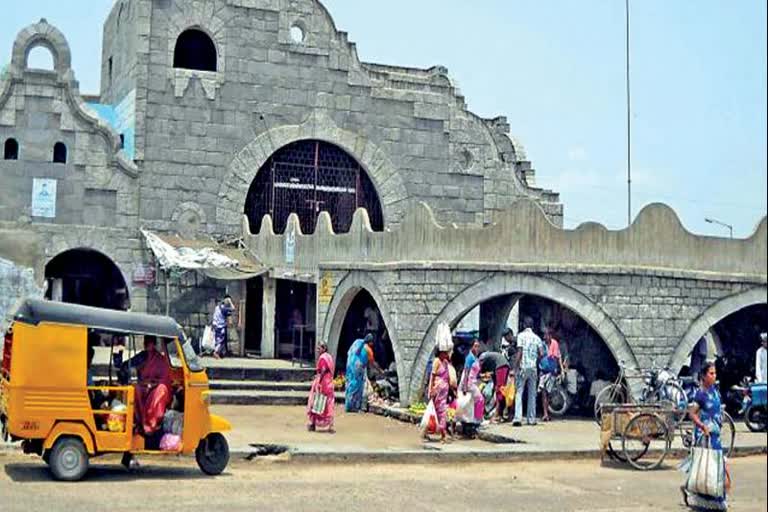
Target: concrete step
(261, 397)
(260, 385)
(292, 375)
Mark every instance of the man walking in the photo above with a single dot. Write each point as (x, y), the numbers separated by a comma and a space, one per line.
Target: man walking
(221, 319)
(530, 349)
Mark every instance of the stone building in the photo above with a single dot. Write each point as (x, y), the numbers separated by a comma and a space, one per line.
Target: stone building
(210, 109)
(355, 196)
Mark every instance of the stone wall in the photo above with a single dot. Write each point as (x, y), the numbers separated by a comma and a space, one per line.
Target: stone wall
(192, 124)
(642, 318)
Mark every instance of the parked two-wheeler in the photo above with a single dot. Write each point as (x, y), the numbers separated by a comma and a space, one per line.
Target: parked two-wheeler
(754, 406)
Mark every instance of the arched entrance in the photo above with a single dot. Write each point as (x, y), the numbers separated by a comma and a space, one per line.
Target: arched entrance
(86, 277)
(356, 309)
(579, 308)
(308, 177)
(752, 302)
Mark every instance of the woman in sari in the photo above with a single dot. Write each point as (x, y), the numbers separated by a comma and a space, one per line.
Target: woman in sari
(469, 381)
(706, 413)
(322, 385)
(360, 355)
(440, 383)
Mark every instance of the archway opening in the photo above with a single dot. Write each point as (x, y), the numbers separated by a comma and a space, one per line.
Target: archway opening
(40, 57)
(732, 343)
(308, 177)
(86, 277)
(11, 149)
(364, 317)
(195, 50)
(59, 153)
(589, 364)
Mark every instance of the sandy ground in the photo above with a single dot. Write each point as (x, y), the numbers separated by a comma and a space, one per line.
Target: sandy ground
(176, 484)
(287, 425)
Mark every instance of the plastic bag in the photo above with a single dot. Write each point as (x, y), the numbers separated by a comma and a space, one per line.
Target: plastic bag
(173, 422)
(444, 339)
(429, 419)
(509, 393)
(465, 411)
(170, 443)
(208, 342)
(707, 473)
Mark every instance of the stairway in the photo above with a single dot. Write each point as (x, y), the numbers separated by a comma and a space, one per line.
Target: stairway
(254, 382)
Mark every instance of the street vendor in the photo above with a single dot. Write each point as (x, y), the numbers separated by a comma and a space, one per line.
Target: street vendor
(497, 365)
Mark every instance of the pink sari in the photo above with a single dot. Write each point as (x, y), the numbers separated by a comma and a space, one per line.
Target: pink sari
(323, 383)
(153, 392)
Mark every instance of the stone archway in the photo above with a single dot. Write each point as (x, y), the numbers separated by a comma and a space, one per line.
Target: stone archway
(712, 316)
(337, 311)
(242, 171)
(87, 277)
(508, 284)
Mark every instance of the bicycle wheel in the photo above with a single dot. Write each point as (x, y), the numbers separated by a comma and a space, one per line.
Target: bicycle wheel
(728, 434)
(615, 394)
(646, 441)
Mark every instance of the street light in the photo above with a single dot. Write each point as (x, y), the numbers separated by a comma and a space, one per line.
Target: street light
(719, 223)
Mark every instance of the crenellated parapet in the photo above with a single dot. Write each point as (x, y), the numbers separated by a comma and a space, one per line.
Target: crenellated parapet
(522, 238)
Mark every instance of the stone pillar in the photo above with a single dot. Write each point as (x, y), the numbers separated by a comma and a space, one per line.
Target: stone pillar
(268, 318)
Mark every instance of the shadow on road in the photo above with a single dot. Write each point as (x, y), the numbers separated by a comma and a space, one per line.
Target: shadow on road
(30, 473)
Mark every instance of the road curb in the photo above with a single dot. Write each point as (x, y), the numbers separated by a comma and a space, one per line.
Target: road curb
(434, 454)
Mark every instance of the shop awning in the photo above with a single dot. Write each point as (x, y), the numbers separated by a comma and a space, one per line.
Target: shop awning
(221, 262)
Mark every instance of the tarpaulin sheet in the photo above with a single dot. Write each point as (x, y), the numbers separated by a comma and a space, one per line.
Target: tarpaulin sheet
(206, 257)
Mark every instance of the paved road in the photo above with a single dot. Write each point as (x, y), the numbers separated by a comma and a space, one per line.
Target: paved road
(175, 484)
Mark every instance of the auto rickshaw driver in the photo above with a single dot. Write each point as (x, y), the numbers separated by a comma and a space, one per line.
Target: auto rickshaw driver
(153, 390)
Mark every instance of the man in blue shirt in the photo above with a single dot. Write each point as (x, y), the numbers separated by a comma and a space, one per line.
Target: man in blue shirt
(221, 316)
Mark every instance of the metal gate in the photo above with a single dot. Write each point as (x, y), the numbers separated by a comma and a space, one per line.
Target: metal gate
(306, 178)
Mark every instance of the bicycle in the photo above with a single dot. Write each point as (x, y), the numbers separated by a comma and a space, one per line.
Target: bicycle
(660, 387)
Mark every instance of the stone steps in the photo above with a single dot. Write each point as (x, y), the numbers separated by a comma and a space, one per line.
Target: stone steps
(259, 385)
(262, 397)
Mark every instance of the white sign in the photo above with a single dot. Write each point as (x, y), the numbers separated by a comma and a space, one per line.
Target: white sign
(44, 198)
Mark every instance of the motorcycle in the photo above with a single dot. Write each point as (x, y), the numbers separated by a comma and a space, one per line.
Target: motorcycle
(567, 392)
(754, 406)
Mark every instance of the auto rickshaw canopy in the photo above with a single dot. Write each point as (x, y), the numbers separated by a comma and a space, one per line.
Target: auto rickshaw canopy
(35, 311)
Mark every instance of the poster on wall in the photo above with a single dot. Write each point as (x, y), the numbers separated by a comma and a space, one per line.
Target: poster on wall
(290, 245)
(325, 289)
(44, 198)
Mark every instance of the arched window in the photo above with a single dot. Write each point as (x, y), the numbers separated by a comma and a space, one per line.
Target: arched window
(308, 177)
(195, 50)
(59, 153)
(11, 150)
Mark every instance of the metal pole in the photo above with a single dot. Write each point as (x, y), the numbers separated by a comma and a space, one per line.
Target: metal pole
(167, 293)
(629, 130)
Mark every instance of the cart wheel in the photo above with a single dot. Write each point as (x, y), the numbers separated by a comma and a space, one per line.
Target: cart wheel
(68, 459)
(728, 434)
(646, 441)
(616, 454)
(212, 454)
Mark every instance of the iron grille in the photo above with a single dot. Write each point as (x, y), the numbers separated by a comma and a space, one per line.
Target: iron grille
(306, 178)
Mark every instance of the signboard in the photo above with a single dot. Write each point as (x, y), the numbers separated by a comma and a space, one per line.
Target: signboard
(290, 245)
(325, 289)
(144, 274)
(44, 198)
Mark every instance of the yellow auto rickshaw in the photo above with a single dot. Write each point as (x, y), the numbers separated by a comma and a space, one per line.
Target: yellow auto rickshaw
(51, 400)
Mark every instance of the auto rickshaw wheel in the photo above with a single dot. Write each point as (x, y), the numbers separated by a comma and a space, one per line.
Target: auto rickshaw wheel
(68, 459)
(212, 454)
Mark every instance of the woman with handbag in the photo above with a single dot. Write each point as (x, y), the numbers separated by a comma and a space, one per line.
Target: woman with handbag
(709, 480)
(322, 398)
(440, 383)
